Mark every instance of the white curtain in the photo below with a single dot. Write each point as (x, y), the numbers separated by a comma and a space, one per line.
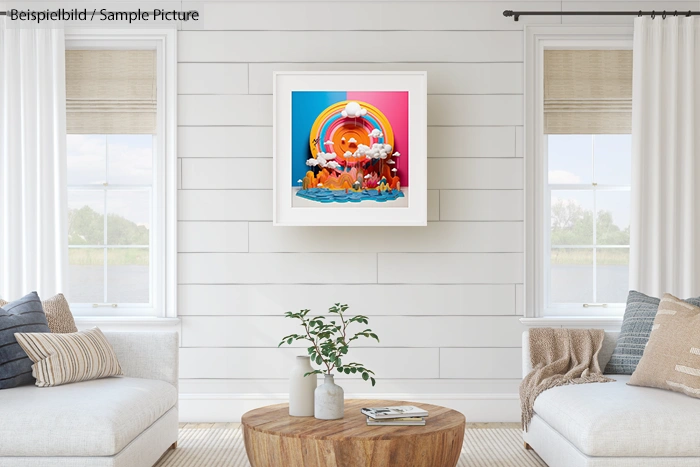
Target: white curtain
(665, 232)
(33, 218)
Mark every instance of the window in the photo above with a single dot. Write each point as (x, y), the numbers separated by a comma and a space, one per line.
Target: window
(110, 214)
(578, 164)
(588, 189)
(121, 172)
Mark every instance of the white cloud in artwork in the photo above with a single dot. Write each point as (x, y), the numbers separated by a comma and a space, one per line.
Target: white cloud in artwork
(390, 162)
(324, 157)
(352, 140)
(387, 147)
(353, 109)
(347, 154)
(394, 170)
(375, 133)
(333, 165)
(312, 162)
(329, 143)
(367, 176)
(396, 154)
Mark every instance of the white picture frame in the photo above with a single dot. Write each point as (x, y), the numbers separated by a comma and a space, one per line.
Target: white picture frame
(288, 211)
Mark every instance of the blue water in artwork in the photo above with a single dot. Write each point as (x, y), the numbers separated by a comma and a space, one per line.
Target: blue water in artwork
(324, 195)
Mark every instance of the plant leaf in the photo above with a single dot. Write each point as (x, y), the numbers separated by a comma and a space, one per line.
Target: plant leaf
(365, 376)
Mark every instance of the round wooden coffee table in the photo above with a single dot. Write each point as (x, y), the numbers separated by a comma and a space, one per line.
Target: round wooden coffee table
(273, 438)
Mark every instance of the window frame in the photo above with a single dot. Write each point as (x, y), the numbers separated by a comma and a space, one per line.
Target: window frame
(163, 244)
(537, 245)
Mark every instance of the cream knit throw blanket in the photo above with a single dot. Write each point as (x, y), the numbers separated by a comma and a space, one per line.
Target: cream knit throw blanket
(560, 357)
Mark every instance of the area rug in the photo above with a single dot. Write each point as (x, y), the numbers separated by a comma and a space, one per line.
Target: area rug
(210, 445)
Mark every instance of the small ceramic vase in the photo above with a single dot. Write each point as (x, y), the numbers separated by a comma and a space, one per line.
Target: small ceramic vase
(301, 388)
(329, 400)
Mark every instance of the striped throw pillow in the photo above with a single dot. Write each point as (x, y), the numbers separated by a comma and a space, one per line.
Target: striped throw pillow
(671, 359)
(23, 315)
(69, 358)
(58, 313)
(634, 335)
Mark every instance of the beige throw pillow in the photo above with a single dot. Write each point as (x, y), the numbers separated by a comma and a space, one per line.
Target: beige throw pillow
(68, 358)
(671, 359)
(58, 314)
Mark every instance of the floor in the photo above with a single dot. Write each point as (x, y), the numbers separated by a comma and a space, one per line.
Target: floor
(221, 445)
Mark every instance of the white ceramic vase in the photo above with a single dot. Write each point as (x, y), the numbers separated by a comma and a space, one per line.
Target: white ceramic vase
(301, 388)
(329, 400)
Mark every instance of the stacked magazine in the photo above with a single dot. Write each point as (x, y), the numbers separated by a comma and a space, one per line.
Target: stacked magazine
(402, 415)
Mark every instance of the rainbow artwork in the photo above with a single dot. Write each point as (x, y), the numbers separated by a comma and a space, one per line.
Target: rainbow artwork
(350, 147)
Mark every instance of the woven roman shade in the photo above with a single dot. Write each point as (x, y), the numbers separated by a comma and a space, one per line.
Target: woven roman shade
(587, 91)
(111, 91)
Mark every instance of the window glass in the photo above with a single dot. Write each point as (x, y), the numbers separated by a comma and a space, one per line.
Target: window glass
(570, 159)
(589, 217)
(110, 213)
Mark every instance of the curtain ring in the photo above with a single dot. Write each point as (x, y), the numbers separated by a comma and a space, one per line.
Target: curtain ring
(664, 15)
(653, 14)
(640, 14)
(675, 13)
(688, 15)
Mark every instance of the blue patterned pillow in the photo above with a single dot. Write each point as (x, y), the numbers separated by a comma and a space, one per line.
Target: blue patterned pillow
(634, 335)
(23, 315)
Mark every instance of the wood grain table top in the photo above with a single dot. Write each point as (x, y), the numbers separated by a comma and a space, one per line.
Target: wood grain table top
(275, 419)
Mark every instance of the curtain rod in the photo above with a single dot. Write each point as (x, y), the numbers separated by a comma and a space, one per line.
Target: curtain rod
(517, 14)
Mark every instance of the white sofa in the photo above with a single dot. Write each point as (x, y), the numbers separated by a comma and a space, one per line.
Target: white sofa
(127, 421)
(613, 424)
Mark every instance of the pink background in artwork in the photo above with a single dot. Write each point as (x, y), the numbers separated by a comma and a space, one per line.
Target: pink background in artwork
(394, 105)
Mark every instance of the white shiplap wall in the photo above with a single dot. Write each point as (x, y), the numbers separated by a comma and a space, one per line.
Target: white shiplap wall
(446, 298)
(441, 297)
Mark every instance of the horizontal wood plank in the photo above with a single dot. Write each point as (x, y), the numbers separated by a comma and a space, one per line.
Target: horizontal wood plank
(220, 110)
(233, 173)
(465, 141)
(483, 110)
(225, 141)
(450, 268)
(481, 173)
(481, 205)
(435, 237)
(224, 237)
(352, 384)
(433, 205)
(349, 46)
(276, 363)
(443, 78)
(212, 78)
(393, 331)
(368, 299)
(480, 363)
(267, 268)
(224, 205)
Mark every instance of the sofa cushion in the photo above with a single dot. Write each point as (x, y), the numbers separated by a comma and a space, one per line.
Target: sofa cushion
(636, 327)
(23, 315)
(616, 420)
(69, 357)
(90, 418)
(58, 313)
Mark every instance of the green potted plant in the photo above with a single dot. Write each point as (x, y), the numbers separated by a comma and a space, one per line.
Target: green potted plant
(330, 340)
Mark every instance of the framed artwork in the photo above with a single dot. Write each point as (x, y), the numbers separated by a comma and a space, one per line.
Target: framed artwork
(350, 148)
